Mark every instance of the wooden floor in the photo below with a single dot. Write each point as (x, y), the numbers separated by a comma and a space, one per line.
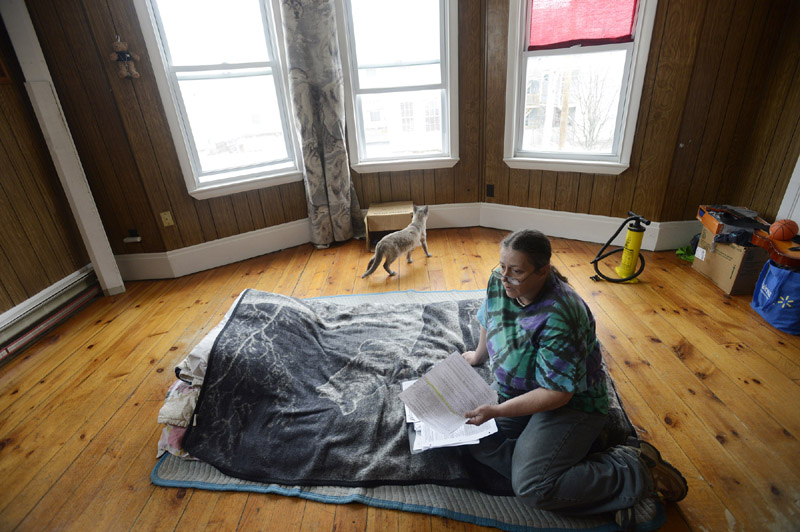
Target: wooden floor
(701, 375)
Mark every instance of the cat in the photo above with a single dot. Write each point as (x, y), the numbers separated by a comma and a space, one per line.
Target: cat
(403, 241)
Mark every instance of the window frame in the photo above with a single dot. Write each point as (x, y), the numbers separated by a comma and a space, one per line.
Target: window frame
(636, 65)
(449, 118)
(239, 180)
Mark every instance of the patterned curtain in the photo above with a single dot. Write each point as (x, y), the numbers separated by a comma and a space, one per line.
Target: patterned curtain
(317, 92)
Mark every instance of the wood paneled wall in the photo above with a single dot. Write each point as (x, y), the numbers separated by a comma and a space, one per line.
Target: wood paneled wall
(39, 242)
(772, 146)
(716, 95)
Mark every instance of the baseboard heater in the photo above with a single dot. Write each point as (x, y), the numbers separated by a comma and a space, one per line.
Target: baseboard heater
(24, 324)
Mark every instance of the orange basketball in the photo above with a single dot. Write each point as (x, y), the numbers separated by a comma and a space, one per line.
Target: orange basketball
(783, 230)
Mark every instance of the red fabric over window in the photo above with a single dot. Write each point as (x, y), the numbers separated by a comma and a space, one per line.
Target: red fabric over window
(565, 23)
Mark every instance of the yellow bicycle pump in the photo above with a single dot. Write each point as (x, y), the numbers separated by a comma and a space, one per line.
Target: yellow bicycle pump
(631, 254)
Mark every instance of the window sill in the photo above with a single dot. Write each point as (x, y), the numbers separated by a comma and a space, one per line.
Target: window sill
(405, 164)
(566, 165)
(211, 190)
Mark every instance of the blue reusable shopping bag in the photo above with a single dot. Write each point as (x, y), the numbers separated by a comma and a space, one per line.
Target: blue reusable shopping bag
(777, 297)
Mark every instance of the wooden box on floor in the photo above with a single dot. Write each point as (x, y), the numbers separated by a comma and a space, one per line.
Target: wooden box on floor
(384, 218)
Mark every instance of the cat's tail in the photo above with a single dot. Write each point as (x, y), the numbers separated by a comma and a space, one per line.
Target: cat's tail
(374, 262)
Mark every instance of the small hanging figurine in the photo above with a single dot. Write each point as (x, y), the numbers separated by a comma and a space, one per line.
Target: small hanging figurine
(125, 59)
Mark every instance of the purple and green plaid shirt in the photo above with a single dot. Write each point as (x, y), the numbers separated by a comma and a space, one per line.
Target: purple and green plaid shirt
(550, 343)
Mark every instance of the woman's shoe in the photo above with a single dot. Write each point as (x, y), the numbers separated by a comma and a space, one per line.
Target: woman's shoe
(667, 480)
(626, 519)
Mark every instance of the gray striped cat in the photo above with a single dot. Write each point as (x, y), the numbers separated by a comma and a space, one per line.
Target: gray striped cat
(403, 241)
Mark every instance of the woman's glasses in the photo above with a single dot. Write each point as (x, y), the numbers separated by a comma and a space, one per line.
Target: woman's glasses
(511, 280)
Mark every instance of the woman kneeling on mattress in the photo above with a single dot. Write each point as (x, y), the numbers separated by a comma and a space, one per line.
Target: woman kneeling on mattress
(539, 337)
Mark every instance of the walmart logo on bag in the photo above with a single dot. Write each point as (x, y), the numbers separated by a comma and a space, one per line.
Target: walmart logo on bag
(784, 301)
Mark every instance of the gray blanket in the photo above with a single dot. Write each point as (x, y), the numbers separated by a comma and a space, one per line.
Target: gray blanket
(304, 392)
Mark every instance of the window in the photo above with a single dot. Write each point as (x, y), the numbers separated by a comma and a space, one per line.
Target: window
(574, 83)
(433, 118)
(221, 71)
(400, 61)
(407, 115)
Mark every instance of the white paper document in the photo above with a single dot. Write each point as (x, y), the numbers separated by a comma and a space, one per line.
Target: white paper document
(425, 437)
(443, 396)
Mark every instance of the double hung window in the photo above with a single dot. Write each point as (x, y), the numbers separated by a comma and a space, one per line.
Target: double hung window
(575, 73)
(400, 80)
(222, 73)
(220, 70)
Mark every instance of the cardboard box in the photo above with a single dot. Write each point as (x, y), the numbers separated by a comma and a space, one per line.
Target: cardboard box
(733, 268)
(384, 218)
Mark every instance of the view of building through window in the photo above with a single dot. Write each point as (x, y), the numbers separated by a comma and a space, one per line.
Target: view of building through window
(401, 123)
(571, 102)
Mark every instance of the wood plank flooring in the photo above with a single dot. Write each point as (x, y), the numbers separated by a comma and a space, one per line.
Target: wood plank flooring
(701, 375)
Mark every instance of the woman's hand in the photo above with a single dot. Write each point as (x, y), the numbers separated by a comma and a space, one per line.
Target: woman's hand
(481, 415)
(480, 354)
(473, 358)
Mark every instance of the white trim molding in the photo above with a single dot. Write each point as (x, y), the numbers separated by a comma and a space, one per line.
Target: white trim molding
(193, 259)
(658, 236)
(405, 164)
(790, 206)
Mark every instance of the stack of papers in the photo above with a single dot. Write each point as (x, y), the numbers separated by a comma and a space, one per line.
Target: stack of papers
(426, 437)
(437, 403)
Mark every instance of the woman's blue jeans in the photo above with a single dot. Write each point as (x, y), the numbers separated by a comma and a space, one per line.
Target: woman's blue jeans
(547, 458)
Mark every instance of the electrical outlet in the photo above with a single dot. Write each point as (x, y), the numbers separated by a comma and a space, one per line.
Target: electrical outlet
(489, 191)
(166, 219)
